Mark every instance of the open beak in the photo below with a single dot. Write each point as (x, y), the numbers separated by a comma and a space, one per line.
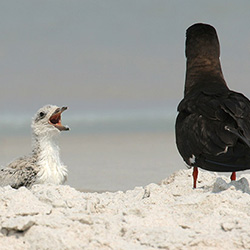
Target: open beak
(55, 119)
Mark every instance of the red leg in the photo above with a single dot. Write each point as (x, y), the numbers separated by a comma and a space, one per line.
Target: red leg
(233, 176)
(195, 175)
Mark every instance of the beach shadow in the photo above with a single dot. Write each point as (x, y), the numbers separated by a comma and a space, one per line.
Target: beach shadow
(221, 185)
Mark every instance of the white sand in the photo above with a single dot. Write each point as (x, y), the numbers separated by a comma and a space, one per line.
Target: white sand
(168, 216)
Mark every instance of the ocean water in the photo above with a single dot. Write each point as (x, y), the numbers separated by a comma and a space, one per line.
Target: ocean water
(105, 121)
(104, 150)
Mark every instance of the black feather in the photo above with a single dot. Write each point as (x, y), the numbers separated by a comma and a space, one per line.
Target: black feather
(213, 124)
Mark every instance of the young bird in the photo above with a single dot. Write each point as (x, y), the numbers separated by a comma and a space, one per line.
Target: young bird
(43, 165)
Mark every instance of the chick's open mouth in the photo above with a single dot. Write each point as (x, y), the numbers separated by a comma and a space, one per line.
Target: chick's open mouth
(55, 119)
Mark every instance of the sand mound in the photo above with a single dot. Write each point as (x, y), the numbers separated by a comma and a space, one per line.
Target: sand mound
(168, 216)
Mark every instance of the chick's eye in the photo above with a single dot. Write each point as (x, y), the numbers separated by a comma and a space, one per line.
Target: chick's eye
(41, 114)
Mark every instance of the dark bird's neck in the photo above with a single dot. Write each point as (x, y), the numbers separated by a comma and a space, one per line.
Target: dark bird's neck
(203, 59)
(203, 72)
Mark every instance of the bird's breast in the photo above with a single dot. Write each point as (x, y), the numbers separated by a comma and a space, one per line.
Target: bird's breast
(51, 168)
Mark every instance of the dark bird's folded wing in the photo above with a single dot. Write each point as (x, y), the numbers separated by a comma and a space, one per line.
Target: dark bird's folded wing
(215, 129)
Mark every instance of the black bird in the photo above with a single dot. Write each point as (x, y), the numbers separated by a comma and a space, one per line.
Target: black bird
(213, 124)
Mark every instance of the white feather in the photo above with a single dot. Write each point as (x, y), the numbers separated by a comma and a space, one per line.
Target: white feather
(192, 160)
(51, 170)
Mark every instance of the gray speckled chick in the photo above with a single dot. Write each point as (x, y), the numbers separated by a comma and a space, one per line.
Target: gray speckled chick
(43, 165)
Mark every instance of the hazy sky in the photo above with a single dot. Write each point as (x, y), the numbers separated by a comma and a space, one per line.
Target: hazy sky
(108, 53)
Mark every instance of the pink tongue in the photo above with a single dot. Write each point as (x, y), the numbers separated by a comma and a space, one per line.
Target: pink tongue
(55, 119)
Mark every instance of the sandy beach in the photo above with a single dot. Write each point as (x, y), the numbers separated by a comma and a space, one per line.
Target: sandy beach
(171, 215)
(134, 214)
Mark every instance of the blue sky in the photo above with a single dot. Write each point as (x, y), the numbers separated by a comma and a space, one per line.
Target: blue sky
(111, 54)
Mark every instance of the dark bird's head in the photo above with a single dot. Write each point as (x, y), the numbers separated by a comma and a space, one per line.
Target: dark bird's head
(47, 121)
(202, 41)
(203, 63)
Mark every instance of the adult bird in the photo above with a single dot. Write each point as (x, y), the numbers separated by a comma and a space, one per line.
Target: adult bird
(44, 164)
(213, 124)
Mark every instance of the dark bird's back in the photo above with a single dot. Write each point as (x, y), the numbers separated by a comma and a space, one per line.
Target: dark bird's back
(213, 124)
